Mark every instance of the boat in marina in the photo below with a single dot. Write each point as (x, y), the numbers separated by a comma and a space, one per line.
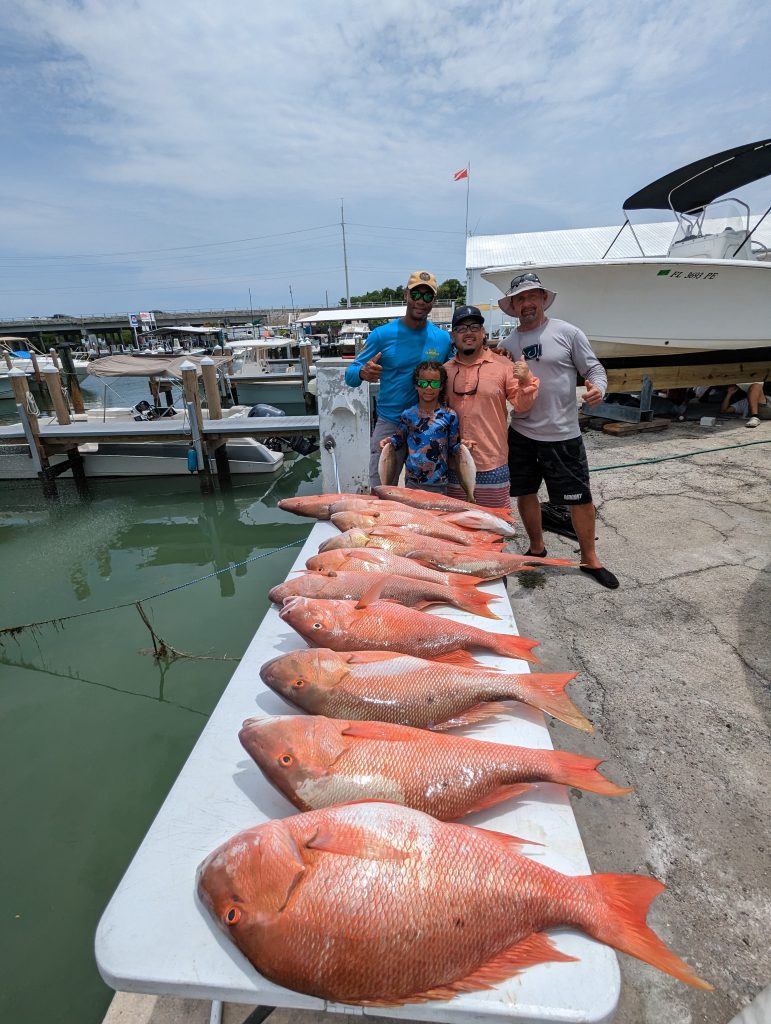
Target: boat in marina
(18, 356)
(122, 458)
(707, 300)
(138, 458)
(351, 338)
(272, 371)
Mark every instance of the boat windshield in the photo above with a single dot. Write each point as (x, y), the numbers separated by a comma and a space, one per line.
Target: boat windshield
(718, 231)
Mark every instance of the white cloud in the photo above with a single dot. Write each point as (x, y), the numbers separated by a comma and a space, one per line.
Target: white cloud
(194, 121)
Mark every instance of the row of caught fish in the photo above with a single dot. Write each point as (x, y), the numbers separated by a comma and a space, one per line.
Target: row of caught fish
(379, 904)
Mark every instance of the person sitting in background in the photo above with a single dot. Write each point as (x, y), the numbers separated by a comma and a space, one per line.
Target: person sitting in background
(478, 385)
(746, 400)
(429, 430)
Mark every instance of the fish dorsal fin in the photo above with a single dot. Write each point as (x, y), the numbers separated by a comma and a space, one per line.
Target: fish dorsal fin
(365, 730)
(461, 658)
(374, 592)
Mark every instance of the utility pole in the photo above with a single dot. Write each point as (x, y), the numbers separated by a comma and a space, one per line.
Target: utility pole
(345, 257)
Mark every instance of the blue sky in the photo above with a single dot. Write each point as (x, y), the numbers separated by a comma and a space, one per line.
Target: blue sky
(176, 155)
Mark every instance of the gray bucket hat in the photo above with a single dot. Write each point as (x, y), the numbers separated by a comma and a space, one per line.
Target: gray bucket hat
(524, 283)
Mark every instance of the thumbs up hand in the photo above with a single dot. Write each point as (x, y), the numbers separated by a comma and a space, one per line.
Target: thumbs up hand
(521, 370)
(372, 371)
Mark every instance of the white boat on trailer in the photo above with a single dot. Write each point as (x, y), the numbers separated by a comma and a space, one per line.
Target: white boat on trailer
(708, 298)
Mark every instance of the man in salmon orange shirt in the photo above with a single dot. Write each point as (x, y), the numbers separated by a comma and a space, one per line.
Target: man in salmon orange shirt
(478, 385)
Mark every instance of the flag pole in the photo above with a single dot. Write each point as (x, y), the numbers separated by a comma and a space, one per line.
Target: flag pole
(468, 186)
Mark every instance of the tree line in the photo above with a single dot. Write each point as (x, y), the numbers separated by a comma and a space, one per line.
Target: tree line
(450, 290)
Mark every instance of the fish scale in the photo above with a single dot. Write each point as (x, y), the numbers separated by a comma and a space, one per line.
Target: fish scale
(376, 560)
(384, 626)
(317, 762)
(352, 586)
(413, 691)
(380, 904)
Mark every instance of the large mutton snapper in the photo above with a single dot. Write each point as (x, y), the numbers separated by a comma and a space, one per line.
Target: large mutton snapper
(441, 693)
(318, 762)
(336, 585)
(374, 625)
(378, 904)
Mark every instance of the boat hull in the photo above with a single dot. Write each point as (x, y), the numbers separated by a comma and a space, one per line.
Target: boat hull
(286, 395)
(116, 459)
(663, 307)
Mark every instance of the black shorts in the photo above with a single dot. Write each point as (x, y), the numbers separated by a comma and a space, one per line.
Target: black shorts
(561, 465)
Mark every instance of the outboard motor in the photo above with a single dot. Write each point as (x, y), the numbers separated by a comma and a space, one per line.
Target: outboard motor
(301, 445)
(265, 410)
(144, 411)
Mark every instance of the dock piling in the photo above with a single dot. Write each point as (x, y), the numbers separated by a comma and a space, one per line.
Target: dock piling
(29, 422)
(193, 404)
(53, 379)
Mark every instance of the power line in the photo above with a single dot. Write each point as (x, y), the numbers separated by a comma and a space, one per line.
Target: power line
(176, 248)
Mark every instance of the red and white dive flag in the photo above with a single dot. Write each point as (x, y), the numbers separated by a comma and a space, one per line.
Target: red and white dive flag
(460, 175)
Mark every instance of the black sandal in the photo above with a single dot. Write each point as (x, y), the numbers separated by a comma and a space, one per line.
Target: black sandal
(535, 554)
(603, 576)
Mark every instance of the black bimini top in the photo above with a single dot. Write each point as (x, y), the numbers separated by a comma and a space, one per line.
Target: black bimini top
(689, 189)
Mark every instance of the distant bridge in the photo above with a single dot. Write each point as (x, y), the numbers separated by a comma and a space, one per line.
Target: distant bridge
(43, 332)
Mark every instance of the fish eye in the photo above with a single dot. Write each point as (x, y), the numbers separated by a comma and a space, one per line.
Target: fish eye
(233, 915)
(286, 760)
(299, 683)
(317, 625)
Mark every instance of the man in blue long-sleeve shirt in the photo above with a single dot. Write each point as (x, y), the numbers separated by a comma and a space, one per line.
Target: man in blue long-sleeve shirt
(389, 357)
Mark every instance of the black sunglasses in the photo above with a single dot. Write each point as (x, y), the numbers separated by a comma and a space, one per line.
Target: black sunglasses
(474, 390)
(417, 294)
(435, 384)
(531, 278)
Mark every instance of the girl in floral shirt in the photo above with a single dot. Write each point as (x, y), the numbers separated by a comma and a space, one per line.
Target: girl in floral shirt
(429, 429)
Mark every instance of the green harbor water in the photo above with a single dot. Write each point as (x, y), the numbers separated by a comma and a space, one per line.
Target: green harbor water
(93, 729)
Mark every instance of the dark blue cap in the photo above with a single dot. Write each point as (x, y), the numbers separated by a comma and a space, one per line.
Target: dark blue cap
(467, 313)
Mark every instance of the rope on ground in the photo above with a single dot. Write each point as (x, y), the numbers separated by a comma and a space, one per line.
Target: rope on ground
(683, 455)
(56, 622)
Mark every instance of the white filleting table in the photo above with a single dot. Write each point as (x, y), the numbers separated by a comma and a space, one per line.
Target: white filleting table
(154, 936)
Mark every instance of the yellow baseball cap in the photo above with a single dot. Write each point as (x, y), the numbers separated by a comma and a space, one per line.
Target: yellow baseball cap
(422, 278)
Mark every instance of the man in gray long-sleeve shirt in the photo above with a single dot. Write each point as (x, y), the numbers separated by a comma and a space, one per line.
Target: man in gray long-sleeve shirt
(545, 444)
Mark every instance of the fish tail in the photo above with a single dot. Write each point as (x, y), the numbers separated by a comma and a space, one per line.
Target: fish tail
(546, 691)
(474, 601)
(579, 771)
(616, 915)
(512, 646)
